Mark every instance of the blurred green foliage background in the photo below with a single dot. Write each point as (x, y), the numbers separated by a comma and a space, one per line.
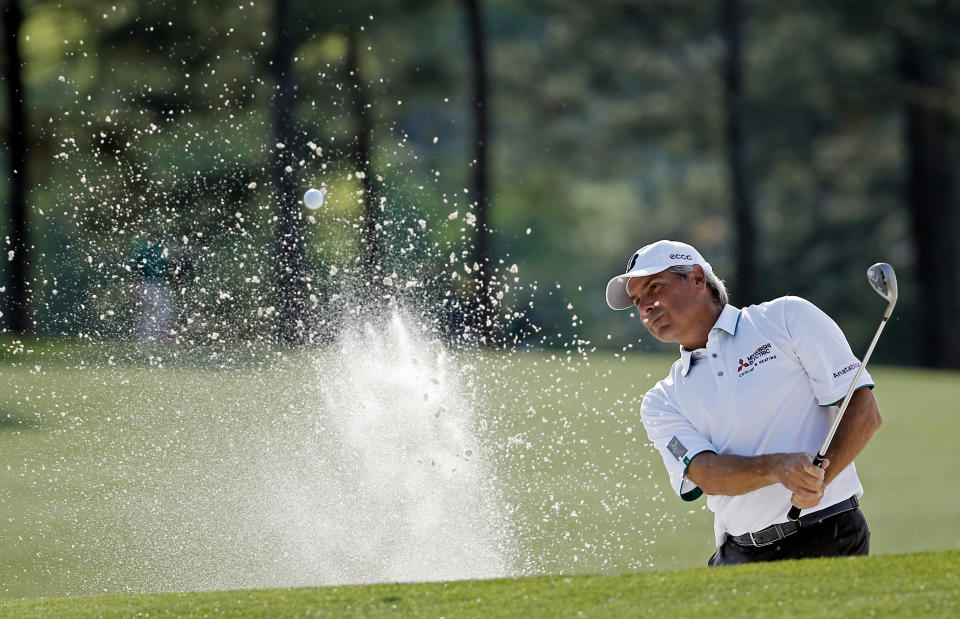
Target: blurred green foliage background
(609, 127)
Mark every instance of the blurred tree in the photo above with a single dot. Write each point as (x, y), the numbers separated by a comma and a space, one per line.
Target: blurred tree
(741, 195)
(480, 108)
(929, 46)
(289, 228)
(610, 131)
(828, 166)
(609, 134)
(17, 129)
(914, 48)
(362, 143)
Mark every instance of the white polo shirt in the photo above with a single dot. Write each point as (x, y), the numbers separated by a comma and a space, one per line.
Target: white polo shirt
(769, 381)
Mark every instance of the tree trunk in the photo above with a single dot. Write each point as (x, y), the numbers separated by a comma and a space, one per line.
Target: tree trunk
(289, 228)
(486, 314)
(372, 243)
(17, 301)
(930, 134)
(745, 290)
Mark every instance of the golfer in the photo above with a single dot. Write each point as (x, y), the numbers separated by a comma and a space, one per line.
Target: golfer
(751, 397)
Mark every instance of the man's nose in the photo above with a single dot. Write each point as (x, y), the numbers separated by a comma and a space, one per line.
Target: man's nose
(644, 306)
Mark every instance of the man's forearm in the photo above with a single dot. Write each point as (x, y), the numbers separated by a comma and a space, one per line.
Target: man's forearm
(860, 421)
(732, 475)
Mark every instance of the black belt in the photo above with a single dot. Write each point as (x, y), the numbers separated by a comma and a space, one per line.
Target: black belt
(776, 532)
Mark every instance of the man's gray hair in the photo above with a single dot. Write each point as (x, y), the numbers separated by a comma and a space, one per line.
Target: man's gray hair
(715, 284)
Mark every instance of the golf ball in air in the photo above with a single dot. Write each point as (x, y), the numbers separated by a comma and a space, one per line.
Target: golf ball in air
(313, 199)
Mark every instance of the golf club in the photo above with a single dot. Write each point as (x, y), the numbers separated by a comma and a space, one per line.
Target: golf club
(884, 281)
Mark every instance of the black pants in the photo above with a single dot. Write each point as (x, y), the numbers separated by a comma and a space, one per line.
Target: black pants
(842, 535)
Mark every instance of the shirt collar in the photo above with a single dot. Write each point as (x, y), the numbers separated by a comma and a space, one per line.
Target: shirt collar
(727, 321)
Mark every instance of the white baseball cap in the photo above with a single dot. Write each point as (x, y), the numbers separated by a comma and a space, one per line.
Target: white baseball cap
(648, 260)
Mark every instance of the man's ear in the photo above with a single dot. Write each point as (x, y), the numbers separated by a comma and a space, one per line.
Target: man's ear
(699, 277)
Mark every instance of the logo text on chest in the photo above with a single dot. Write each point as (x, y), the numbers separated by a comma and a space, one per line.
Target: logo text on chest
(758, 357)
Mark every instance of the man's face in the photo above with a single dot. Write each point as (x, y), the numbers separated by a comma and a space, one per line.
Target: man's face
(666, 302)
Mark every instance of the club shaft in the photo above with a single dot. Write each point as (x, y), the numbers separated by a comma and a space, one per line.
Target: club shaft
(794, 513)
(884, 282)
(853, 387)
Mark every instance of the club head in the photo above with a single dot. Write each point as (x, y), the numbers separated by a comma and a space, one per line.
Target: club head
(884, 281)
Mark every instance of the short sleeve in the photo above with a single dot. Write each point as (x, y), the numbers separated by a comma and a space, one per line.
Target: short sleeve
(823, 351)
(677, 440)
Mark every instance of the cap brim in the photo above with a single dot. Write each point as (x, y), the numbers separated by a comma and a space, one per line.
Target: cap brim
(617, 297)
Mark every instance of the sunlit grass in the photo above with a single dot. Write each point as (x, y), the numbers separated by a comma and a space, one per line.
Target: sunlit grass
(889, 586)
(83, 427)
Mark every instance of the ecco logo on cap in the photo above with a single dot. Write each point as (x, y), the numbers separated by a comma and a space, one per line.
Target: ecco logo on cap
(681, 257)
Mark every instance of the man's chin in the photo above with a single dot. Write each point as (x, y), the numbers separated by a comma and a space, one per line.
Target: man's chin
(658, 336)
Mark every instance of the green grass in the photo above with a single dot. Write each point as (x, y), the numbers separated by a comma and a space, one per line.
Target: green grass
(107, 466)
(889, 586)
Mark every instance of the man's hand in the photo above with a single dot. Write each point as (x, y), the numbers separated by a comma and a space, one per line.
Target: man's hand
(805, 481)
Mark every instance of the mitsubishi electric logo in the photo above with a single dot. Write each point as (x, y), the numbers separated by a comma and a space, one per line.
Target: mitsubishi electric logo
(760, 355)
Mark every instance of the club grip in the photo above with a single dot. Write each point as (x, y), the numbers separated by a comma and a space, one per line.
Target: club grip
(794, 514)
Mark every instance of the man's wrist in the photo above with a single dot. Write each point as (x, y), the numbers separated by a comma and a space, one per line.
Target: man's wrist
(771, 467)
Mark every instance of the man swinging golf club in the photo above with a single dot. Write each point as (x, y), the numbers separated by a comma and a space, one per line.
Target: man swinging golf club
(748, 402)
